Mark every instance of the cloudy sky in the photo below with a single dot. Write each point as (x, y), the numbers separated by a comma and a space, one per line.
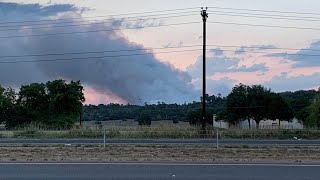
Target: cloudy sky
(93, 41)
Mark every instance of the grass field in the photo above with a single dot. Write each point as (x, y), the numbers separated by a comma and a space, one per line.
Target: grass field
(182, 131)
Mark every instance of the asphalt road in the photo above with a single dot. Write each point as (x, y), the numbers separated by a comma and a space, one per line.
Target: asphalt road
(159, 141)
(133, 171)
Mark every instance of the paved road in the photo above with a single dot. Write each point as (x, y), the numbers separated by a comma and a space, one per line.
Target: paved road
(161, 141)
(158, 171)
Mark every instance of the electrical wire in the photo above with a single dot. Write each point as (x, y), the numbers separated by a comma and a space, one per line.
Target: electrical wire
(286, 54)
(96, 52)
(94, 31)
(262, 16)
(267, 11)
(65, 19)
(267, 48)
(263, 25)
(99, 20)
(97, 23)
(94, 57)
(158, 48)
(128, 55)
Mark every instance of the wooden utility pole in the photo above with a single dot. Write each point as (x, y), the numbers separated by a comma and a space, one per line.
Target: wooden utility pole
(204, 15)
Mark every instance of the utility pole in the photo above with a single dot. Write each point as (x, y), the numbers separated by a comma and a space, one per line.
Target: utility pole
(204, 15)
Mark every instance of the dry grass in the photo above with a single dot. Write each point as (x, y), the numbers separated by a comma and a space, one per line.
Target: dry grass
(170, 153)
(158, 132)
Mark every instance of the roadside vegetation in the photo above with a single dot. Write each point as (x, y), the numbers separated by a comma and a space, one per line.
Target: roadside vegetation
(244, 103)
(160, 132)
(52, 109)
(55, 105)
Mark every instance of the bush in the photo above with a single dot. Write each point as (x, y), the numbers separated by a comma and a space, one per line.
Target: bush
(144, 119)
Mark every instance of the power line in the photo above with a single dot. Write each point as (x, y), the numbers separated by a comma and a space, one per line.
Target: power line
(99, 20)
(278, 48)
(94, 23)
(128, 55)
(268, 11)
(263, 16)
(262, 25)
(287, 54)
(156, 48)
(94, 31)
(95, 52)
(94, 57)
(89, 17)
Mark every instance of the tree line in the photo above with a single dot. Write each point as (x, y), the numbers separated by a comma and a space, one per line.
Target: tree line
(244, 103)
(159, 111)
(258, 103)
(55, 104)
(255, 103)
(59, 105)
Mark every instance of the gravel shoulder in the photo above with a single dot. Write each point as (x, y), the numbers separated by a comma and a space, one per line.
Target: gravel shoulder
(159, 153)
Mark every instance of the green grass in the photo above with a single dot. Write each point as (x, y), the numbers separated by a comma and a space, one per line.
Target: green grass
(157, 132)
(270, 134)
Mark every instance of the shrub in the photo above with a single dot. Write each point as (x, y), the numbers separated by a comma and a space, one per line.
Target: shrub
(144, 119)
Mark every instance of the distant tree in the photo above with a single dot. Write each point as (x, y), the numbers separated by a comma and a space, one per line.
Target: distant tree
(194, 116)
(7, 103)
(34, 98)
(65, 102)
(236, 106)
(158, 111)
(231, 118)
(55, 104)
(279, 109)
(300, 101)
(144, 119)
(313, 120)
(11, 113)
(259, 102)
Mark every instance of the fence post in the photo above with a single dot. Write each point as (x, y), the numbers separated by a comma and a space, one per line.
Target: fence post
(217, 138)
(104, 138)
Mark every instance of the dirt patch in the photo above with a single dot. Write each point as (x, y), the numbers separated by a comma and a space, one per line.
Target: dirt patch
(158, 153)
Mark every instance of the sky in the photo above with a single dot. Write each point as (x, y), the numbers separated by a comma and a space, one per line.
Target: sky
(236, 53)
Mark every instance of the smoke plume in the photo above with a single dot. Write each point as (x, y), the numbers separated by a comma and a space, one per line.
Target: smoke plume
(135, 79)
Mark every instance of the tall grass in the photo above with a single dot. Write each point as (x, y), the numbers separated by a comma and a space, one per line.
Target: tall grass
(163, 131)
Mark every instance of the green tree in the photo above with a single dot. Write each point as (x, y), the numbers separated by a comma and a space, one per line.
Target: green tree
(56, 104)
(7, 103)
(34, 99)
(313, 120)
(65, 102)
(11, 113)
(144, 119)
(259, 99)
(279, 109)
(236, 106)
(300, 101)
